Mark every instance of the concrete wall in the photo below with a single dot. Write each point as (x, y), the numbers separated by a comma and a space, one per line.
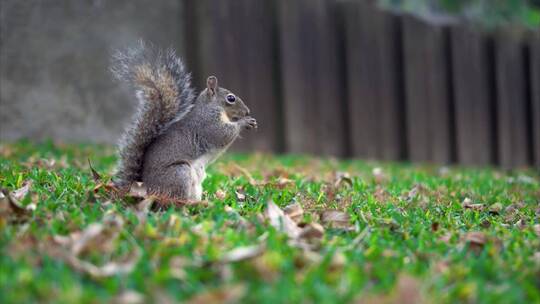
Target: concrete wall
(54, 54)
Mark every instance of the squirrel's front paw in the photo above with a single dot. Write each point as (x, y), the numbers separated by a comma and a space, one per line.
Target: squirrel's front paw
(249, 123)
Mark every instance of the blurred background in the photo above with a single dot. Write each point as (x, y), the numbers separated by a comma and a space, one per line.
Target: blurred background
(421, 80)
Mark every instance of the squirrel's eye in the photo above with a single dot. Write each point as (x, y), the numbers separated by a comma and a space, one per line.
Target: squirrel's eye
(231, 98)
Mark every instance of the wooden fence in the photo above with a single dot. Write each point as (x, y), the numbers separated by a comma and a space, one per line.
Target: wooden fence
(344, 78)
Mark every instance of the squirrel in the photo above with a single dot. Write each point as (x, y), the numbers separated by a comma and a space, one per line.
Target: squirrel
(174, 135)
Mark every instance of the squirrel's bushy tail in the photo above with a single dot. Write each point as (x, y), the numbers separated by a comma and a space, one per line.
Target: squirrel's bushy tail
(163, 88)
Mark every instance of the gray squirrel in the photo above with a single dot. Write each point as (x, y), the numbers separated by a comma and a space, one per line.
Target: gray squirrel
(174, 135)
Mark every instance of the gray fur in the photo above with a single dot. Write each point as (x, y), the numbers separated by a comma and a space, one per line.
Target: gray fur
(151, 118)
(169, 153)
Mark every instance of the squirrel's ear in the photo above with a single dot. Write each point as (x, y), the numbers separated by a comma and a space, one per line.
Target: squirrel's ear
(212, 85)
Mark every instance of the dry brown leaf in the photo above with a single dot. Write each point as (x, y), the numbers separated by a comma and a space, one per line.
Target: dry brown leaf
(336, 219)
(96, 237)
(536, 257)
(281, 221)
(295, 212)
(379, 175)
(128, 297)
(282, 182)
(521, 224)
(220, 194)
(9, 206)
(108, 269)
(476, 240)
(468, 204)
(537, 229)
(312, 231)
(109, 188)
(381, 195)
(225, 294)
(242, 253)
(177, 267)
(342, 178)
(408, 290)
(510, 208)
(445, 238)
(95, 175)
(441, 266)
(21, 193)
(496, 208)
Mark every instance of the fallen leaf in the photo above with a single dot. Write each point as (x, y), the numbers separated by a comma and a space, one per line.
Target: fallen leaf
(21, 193)
(177, 267)
(109, 188)
(95, 237)
(379, 175)
(435, 226)
(445, 238)
(342, 178)
(336, 219)
(521, 224)
(510, 208)
(312, 231)
(476, 240)
(408, 290)
(281, 221)
(242, 253)
(295, 212)
(9, 206)
(496, 208)
(128, 297)
(282, 182)
(240, 195)
(225, 294)
(381, 195)
(468, 204)
(537, 229)
(536, 257)
(485, 224)
(108, 269)
(220, 194)
(95, 175)
(441, 266)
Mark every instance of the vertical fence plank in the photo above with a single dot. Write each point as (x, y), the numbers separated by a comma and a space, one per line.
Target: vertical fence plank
(373, 70)
(535, 95)
(511, 101)
(311, 78)
(473, 86)
(227, 39)
(260, 67)
(428, 108)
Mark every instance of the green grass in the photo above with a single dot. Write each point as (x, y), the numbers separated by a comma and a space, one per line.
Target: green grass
(401, 244)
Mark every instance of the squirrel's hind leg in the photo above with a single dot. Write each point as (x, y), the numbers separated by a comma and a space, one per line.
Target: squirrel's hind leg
(178, 181)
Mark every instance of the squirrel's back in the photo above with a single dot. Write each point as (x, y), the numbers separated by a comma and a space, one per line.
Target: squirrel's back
(163, 89)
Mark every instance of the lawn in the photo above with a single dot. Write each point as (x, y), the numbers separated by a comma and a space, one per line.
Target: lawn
(350, 231)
